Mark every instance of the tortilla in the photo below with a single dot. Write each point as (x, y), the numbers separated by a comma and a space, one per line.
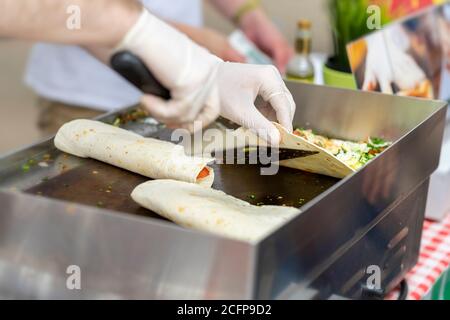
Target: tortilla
(353, 154)
(122, 148)
(323, 162)
(192, 206)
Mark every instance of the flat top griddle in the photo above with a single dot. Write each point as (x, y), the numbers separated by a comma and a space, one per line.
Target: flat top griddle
(93, 183)
(373, 217)
(98, 184)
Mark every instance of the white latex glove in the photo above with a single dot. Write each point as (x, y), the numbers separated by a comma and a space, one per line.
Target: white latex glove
(202, 85)
(240, 84)
(393, 66)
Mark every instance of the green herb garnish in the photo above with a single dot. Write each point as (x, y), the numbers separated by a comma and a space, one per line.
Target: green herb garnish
(377, 143)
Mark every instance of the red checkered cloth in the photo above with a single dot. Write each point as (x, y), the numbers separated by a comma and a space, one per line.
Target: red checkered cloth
(434, 259)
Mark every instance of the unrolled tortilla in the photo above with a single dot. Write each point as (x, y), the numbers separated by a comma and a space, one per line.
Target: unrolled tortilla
(122, 148)
(206, 209)
(323, 162)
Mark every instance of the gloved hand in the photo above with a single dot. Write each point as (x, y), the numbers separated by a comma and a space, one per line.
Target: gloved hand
(392, 66)
(240, 84)
(202, 85)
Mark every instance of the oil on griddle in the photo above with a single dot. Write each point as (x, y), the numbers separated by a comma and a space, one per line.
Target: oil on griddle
(98, 184)
(95, 184)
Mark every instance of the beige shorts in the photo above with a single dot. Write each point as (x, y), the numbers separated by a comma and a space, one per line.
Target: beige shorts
(53, 114)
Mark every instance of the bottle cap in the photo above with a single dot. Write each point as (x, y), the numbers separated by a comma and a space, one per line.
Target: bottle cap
(304, 24)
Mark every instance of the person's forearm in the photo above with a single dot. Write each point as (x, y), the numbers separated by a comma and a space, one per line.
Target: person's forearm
(200, 35)
(190, 31)
(103, 54)
(103, 22)
(241, 12)
(228, 7)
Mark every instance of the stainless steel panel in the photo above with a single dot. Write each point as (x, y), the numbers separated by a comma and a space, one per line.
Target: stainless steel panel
(119, 256)
(357, 115)
(333, 222)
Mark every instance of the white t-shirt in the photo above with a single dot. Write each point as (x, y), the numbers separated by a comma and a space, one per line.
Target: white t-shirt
(69, 74)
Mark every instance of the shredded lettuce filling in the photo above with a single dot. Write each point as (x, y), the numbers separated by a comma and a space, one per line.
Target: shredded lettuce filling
(354, 154)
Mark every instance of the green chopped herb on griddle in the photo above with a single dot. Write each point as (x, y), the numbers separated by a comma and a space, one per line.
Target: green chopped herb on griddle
(27, 166)
(252, 196)
(44, 179)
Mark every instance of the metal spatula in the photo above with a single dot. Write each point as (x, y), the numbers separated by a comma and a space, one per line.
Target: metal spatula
(260, 154)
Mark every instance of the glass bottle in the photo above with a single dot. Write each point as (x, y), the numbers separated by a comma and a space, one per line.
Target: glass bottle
(301, 67)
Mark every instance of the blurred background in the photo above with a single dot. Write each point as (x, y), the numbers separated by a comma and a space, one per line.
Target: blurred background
(18, 112)
(285, 14)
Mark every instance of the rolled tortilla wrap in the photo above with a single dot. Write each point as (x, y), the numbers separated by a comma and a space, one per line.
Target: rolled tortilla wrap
(122, 148)
(209, 210)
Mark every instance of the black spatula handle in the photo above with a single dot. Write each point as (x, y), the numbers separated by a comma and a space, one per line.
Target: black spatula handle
(136, 72)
